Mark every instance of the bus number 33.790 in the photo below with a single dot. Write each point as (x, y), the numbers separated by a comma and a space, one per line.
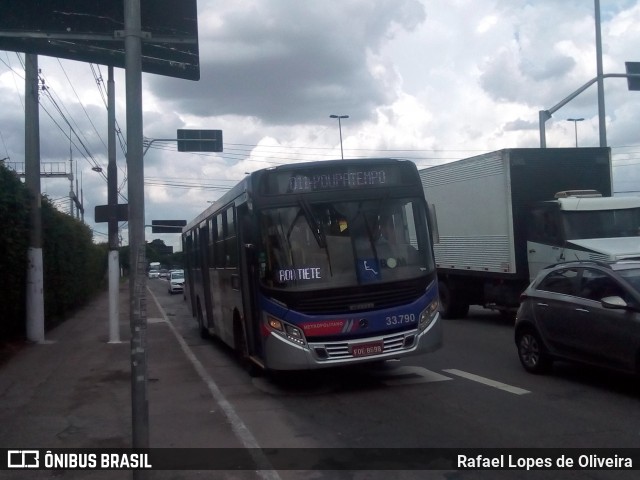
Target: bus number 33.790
(315, 265)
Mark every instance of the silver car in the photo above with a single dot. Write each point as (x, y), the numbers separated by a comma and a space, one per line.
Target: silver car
(176, 281)
(586, 312)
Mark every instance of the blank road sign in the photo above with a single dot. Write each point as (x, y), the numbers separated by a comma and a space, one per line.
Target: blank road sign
(633, 68)
(101, 213)
(200, 140)
(167, 226)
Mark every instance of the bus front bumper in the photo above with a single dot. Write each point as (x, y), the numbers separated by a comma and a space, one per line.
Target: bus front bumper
(283, 354)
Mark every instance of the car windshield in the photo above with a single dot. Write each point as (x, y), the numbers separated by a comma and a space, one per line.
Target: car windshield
(175, 275)
(310, 246)
(632, 276)
(601, 223)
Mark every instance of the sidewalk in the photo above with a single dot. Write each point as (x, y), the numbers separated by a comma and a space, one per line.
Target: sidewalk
(74, 391)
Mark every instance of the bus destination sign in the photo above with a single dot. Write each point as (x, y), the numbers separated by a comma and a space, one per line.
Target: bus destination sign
(307, 180)
(336, 180)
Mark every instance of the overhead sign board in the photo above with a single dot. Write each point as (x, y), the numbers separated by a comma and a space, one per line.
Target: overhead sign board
(94, 32)
(633, 68)
(200, 140)
(167, 226)
(101, 213)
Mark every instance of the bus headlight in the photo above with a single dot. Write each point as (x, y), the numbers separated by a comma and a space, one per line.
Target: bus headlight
(288, 331)
(275, 324)
(294, 334)
(428, 314)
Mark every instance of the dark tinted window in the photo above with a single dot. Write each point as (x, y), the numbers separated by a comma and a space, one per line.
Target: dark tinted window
(596, 285)
(560, 281)
(231, 247)
(544, 226)
(220, 260)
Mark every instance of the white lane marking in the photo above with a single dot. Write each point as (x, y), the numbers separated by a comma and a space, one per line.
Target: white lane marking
(265, 469)
(409, 375)
(488, 381)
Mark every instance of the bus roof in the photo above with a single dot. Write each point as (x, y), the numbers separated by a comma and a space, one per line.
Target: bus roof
(341, 175)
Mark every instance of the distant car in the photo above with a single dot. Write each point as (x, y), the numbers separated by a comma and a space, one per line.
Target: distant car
(176, 281)
(154, 274)
(586, 312)
(164, 273)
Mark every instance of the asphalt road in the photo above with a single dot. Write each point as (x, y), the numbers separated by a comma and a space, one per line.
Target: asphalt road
(473, 393)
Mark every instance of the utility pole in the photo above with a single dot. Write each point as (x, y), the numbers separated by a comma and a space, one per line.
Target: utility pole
(71, 194)
(137, 260)
(76, 195)
(112, 197)
(35, 274)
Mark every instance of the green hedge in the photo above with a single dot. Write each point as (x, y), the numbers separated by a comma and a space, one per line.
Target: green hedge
(14, 241)
(74, 267)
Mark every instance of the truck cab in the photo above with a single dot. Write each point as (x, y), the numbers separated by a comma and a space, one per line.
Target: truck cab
(582, 225)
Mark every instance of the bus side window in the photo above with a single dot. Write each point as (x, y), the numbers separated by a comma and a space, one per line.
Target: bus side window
(219, 247)
(212, 241)
(231, 245)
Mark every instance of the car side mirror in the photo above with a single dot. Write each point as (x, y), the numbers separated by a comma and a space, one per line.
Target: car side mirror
(613, 302)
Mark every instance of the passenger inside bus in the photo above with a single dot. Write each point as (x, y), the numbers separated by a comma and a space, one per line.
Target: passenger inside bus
(392, 248)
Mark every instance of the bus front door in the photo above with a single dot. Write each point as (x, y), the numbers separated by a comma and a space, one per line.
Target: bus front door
(249, 280)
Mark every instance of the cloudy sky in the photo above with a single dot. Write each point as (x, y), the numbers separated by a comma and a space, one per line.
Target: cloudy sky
(428, 80)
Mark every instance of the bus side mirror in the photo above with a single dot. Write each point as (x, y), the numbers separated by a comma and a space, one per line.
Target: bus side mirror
(435, 234)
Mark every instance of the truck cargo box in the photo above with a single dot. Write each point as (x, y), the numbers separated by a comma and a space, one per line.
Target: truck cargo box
(480, 203)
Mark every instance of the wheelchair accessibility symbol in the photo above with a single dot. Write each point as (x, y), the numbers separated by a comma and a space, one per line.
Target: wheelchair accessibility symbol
(368, 269)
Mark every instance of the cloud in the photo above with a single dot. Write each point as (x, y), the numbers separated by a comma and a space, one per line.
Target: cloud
(428, 80)
(287, 62)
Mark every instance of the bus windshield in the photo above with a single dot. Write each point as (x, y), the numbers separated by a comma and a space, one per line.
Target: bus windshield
(338, 244)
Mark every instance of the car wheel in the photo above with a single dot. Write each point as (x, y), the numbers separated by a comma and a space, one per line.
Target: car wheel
(531, 352)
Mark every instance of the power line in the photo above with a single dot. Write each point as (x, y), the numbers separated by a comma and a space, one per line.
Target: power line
(81, 104)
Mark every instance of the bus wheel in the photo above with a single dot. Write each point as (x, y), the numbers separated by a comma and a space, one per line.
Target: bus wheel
(242, 350)
(204, 333)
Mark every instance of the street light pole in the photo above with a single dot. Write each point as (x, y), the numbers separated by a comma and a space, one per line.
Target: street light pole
(340, 117)
(602, 123)
(575, 126)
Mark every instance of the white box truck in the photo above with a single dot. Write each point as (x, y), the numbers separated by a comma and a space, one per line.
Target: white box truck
(499, 217)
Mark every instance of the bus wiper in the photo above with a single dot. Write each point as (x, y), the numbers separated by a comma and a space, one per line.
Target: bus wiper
(313, 223)
(367, 229)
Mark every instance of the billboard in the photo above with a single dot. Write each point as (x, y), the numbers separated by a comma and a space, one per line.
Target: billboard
(94, 32)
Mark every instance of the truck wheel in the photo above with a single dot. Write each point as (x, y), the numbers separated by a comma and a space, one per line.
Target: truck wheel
(451, 305)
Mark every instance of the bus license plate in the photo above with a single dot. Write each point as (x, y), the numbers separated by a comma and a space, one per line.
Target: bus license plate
(366, 349)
